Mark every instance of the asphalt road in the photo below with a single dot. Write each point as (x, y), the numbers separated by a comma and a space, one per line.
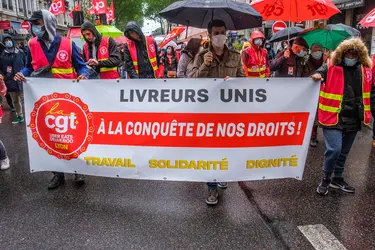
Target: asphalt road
(130, 214)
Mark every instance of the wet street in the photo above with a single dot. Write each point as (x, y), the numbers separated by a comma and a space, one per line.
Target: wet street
(110, 213)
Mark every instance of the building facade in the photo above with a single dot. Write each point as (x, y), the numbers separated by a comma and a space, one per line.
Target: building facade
(16, 11)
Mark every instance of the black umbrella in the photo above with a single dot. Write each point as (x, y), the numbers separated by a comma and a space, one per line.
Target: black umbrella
(198, 13)
(286, 34)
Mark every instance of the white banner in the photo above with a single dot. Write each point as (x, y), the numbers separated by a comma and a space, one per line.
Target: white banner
(182, 130)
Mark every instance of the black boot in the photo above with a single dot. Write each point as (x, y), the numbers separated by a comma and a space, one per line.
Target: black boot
(80, 179)
(57, 180)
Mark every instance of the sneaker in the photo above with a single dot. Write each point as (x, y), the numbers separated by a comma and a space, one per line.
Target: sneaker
(323, 187)
(4, 164)
(56, 181)
(313, 143)
(79, 179)
(222, 185)
(212, 198)
(19, 119)
(339, 183)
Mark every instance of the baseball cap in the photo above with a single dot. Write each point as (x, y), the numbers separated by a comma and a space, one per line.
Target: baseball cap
(36, 16)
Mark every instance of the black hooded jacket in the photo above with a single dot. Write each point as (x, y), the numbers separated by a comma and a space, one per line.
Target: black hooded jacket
(12, 61)
(144, 65)
(114, 59)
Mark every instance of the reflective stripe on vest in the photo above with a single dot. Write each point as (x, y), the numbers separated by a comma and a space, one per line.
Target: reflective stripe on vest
(151, 52)
(332, 94)
(62, 67)
(103, 55)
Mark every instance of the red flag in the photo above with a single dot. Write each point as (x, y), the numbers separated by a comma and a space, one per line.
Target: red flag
(368, 20)
(57, 7)
(172, 35)
(91, 10)
(76, 8)
(100, 6)
(111, 13)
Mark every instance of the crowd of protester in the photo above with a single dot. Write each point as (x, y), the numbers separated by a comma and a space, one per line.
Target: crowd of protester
(346, 98)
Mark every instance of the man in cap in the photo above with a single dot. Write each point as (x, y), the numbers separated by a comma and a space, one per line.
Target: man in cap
(100, 52)
(291, 61)
(52, 56)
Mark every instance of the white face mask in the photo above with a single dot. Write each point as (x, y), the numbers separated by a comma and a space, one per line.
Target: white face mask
(258, 42)
(219, 40)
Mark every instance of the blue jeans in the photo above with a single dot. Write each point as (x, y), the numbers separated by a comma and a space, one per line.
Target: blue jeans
(338, 144)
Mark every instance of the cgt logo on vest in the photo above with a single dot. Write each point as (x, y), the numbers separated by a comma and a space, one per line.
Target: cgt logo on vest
(103, 50)
(62, 56)
(62, 125)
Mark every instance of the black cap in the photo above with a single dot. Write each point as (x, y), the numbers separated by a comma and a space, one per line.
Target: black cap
(36, 16)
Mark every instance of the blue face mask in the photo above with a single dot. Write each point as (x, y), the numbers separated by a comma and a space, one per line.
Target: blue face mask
(317, 55)
(38, 30)
(350, 62)
(302, 53)
(8, 44)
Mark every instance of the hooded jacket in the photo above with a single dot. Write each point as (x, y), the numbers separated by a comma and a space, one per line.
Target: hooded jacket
(114, 59)
(49, 48)
(12, 61)
(255, 50)
(144, 65)
(169, 67)
(349, 117)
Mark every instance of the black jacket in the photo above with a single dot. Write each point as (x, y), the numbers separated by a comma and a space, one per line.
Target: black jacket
(167, 66)
(114, 59)
(12, 61)
(351, 113)
(144, 65)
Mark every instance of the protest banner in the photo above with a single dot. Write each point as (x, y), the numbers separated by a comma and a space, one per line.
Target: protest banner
(182, 129)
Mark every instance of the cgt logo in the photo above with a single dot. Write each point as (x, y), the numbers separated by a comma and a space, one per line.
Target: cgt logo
(56, 6)
(62, 125)
(59, 121)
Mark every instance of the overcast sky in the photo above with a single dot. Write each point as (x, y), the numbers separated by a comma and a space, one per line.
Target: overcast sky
(149, 26)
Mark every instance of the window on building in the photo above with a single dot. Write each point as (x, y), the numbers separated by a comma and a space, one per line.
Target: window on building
(10, 2)
(5, 4)
(20, 6)
(30, 4)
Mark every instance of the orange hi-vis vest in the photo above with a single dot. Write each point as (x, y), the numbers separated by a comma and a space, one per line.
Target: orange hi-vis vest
(151, 52)
(62, 67)
(103, 55)
(256, 66)
(332, 94)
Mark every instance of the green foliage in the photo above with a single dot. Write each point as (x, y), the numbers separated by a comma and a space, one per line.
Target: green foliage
(237, 46)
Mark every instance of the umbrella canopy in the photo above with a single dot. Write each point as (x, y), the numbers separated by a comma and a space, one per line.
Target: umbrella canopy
(351, 30)
(121, 39)
(295, 10)
(108, 30)
(198, 13)
(329, 37)
(285, 34)
(368, 20)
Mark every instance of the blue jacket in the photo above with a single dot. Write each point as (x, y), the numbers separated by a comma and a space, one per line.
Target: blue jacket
(12, 61)
(78, 63)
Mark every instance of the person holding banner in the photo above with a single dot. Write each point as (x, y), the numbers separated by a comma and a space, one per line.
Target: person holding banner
(347, 98)
(373, 114)
(100, 52)
(52, 56)
(141, 54)
(218, 61)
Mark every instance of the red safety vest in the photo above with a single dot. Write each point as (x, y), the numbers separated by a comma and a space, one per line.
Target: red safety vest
(103, 55)
(151, 52)
(256, 66)
(332, 94)
(62, 67)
